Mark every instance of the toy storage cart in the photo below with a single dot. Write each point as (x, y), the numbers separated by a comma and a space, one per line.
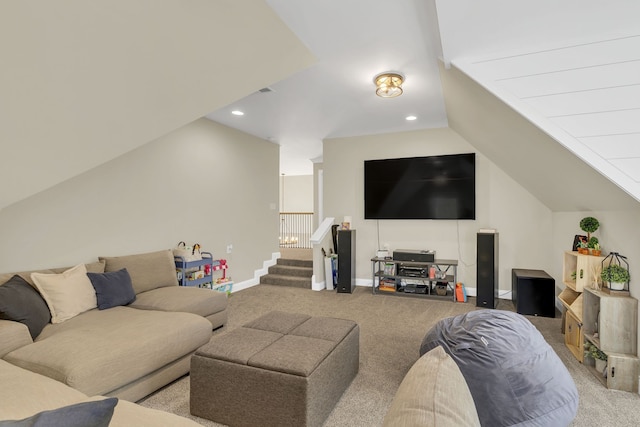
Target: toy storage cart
(200, 273)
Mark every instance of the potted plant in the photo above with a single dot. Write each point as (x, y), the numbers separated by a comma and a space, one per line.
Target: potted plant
(616, 275)
(594, 245)
(589, 224)
(582, 247)
(597, 355)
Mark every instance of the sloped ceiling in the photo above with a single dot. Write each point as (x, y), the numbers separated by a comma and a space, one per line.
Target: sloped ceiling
(547, 169)
(83, 82)
(573, 70)
(586, 96)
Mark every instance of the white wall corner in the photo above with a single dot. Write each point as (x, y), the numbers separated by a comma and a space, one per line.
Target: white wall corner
(559, 305)
(317, 286)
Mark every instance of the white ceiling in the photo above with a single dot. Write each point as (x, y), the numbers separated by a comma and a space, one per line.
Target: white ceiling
(572, 67)
(83, 82)
(353, 41)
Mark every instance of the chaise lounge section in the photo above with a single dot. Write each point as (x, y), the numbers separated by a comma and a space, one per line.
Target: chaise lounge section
(26, 394)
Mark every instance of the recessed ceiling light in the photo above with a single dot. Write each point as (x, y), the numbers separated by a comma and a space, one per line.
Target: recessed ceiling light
(237, 113)
(410, 118)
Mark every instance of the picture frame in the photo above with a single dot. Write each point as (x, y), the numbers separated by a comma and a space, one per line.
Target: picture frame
(576, 240)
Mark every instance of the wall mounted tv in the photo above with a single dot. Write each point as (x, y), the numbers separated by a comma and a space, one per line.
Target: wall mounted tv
(434, 187)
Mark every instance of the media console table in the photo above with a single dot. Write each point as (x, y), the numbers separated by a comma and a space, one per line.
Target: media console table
(436, 279)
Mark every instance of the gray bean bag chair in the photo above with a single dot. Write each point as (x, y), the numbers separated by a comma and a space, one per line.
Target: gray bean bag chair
(515, 377)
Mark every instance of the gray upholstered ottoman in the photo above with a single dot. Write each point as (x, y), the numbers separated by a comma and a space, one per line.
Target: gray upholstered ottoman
(282, 369)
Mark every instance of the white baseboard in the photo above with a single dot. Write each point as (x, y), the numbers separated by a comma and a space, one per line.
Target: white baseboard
(319, 286)
(257, 274)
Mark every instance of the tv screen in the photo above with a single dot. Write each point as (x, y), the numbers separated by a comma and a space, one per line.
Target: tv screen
(434, 187)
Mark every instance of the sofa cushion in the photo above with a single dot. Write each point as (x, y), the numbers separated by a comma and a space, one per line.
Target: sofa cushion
(433, 393)
(112, 288)
(20, 302)
(203, 302)
(24, 393)
(67, 294)
(513, 374)
(13, 335)
(148, 270)
(97, 413)
(94, 267)
(129, 414)
(102, 350)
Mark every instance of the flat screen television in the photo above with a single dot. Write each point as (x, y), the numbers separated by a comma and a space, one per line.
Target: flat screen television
(434, 187)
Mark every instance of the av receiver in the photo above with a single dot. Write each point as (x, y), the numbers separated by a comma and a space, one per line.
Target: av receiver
(414, 255)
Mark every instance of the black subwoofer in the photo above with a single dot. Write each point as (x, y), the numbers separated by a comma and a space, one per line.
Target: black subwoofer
(487, 270)
(533, 292)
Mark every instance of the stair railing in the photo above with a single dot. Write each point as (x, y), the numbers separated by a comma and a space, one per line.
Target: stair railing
(296, 229)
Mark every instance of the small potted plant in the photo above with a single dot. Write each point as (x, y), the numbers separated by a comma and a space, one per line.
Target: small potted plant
(616, 275)
(589, 224)
(597, 355)
(582, 247)
(594, 245)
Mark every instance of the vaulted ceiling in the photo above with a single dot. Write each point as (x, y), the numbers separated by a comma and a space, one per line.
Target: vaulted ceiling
(84, 82)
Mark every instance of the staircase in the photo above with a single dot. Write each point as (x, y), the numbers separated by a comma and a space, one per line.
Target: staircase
(289, 272)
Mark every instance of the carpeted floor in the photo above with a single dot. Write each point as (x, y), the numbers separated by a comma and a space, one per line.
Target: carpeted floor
(391, 330)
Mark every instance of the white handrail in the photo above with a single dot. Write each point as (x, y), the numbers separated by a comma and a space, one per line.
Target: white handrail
(321, 231)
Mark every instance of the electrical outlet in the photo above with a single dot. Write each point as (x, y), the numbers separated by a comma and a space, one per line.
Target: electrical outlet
(229, 248)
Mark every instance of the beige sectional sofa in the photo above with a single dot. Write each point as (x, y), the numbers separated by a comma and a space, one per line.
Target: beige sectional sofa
(24, 394)
(125, 351)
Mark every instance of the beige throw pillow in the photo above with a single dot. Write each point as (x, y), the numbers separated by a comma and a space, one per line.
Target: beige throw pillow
(433, 394)
(67, 294)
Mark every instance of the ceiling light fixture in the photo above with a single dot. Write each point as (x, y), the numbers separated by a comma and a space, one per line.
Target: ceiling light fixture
(237, 113)
(388, 84)
(410, 118)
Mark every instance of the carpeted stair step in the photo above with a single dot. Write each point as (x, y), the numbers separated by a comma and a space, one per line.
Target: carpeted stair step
(295, 262)
(280, 280)
(289, 270)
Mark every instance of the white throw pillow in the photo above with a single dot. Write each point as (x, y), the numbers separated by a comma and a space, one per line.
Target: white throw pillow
(67, 294)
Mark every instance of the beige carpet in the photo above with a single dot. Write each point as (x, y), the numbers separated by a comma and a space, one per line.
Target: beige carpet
(392, 329)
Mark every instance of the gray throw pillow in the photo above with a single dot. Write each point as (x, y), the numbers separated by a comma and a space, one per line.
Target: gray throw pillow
(113, 288)
(87, 414)
(20, 302)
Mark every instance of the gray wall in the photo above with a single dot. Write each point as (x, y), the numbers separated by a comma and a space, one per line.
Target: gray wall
(202, 183)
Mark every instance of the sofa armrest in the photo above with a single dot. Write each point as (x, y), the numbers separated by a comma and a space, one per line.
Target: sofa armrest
(13, 335)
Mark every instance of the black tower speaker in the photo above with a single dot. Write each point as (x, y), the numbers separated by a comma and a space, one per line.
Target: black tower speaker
(487, 270)
(346, 261)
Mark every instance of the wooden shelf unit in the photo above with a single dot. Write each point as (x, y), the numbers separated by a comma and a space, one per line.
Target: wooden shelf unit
(586, 267)
(611, 324)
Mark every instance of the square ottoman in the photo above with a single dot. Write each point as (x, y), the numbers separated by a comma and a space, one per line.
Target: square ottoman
(280, 369)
